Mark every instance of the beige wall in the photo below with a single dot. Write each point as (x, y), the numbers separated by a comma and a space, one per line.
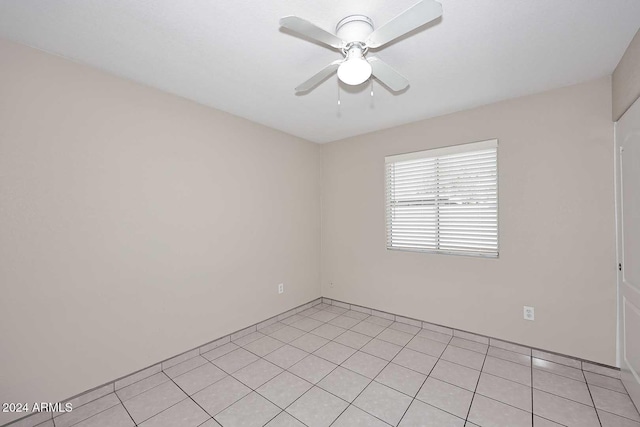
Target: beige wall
(626, 79)
(556, 222)
(135, 225)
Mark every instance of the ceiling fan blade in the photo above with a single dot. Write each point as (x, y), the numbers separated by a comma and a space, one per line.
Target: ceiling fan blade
(387, 75)
(412, 18)
(306, 28)
(319, 76)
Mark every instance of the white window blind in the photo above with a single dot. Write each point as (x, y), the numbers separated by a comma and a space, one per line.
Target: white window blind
(444, 200)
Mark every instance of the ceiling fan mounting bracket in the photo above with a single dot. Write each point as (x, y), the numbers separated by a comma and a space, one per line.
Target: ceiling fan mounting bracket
(354, 28)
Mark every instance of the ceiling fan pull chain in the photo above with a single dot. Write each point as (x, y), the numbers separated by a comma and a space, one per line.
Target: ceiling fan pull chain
(339, 102)
(372, 99)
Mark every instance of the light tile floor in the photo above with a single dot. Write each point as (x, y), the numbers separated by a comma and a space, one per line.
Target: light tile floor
(329, 366)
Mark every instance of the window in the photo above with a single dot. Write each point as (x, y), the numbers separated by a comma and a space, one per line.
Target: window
(444, 200)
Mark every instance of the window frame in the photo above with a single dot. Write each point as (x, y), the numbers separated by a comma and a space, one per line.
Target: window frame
(435, 153)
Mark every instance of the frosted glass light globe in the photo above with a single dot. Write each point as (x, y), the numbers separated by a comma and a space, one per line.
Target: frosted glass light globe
(355, 70)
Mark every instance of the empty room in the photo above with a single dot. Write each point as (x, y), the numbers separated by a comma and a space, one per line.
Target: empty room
(410, 213)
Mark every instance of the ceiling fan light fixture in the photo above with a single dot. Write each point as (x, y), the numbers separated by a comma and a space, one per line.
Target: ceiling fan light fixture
(354, 36)
(355, 69)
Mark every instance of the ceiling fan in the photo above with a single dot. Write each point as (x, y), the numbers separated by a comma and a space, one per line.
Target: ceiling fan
(354, 37)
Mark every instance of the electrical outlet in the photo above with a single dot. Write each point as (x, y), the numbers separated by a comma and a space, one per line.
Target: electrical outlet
(281, 288)
(529, 313)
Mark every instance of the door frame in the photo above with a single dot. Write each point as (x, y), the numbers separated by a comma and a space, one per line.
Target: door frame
(620, 350)
(618, 224)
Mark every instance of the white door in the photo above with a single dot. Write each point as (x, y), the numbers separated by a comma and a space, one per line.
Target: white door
(628, 182)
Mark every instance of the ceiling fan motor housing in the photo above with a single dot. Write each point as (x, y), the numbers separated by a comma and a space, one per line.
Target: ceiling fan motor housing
(354, 28)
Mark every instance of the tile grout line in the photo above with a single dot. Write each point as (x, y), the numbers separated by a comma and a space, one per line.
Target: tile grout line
(591, 396)
(534, 388)
(457, 364)
(192, 399)
(475, 391)
(312, 384)
(292, 373)
(251, 388)
(76, 423)
(161, 372)
(507, 360)
(627, 393)
(617, 415)
(246, 385)
(481, 372)
(284, 370)
(428, 375)
(340, 365)
(373, 379)
(568, 398)
(604, 410)
(189, 396)
(125, 408)
(52, 419)
(142, 392)
(624, 393)
(533, 417)
(165, 409)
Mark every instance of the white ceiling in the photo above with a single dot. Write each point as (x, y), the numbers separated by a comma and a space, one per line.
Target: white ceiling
(231, 55)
